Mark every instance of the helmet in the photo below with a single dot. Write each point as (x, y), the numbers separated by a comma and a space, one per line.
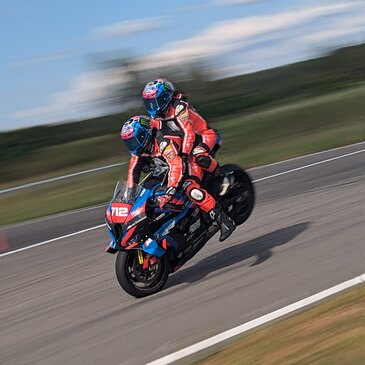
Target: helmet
(137, 133)
(157, 96)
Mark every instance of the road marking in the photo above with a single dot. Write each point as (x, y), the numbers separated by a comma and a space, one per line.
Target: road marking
(202, 345)
(310, 165)
(358, 144)
(123, 163)
(52, 240)
(254, 181)
(55, 216)
(57, 178)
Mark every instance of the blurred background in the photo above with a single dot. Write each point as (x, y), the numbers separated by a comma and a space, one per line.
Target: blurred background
(276, 78)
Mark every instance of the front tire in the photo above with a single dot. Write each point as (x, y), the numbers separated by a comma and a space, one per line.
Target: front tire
(137, 281)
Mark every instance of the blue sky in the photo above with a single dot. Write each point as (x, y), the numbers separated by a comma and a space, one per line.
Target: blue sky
(48, 48)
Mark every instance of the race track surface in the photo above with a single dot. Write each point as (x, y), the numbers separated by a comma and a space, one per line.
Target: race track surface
(61, 304)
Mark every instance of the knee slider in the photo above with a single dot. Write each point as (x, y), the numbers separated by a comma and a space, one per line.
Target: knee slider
(203, 161)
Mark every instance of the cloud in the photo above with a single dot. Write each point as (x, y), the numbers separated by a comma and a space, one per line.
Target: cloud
(218, 4)
(83, 99)
(338, 29)
(45, 59)
(312, 40)
(222, 3)
(235, 47)
(127, 28)
(225, 37)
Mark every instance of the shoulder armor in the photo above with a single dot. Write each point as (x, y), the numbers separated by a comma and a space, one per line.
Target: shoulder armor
(179, 107)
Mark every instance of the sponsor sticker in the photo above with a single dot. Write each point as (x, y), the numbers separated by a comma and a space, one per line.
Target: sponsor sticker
(169, 153)
(184, 116)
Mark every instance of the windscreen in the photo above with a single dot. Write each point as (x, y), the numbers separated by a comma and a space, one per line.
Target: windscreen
(124, 194)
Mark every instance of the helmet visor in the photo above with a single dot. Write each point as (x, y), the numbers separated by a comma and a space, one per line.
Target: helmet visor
(132, 144)
(153, 105)
(136, 144)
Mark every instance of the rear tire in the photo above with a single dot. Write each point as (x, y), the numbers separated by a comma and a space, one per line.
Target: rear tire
(244, 190)
(135, 280)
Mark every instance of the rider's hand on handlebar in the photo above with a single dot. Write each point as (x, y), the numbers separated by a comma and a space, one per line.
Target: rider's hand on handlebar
(164, 199)
(161, 201)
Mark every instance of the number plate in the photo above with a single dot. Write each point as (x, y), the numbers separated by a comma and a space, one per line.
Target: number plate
(119, 212)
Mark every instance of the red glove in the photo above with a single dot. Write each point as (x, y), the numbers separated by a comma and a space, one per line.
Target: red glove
(164, 199)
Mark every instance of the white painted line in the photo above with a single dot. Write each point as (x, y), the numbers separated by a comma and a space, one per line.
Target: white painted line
(123, 163)
(354, 145)
(310, 165)
(193, 349)
(257, 180)
(40, 182)
(52, 240)
(54, 216)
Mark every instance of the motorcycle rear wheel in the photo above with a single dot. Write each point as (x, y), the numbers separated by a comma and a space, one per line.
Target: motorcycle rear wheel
(244, 190)
(137, 281)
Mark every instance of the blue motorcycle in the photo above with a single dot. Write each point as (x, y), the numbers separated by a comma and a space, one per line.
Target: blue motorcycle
(151, 242)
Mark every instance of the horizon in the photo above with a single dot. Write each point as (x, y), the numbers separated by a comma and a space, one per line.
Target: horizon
(55, 76)
(56, 123)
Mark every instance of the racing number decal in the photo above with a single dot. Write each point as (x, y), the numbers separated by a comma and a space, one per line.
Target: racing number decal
(120, 211)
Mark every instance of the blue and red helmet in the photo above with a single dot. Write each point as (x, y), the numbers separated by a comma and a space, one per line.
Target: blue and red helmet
(137, 134)
(157, 96)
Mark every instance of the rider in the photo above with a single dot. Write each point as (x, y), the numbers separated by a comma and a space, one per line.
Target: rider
(166, 142)
(162, 101)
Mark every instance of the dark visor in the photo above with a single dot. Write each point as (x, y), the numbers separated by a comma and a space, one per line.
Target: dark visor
(155, 104)
(135, 143)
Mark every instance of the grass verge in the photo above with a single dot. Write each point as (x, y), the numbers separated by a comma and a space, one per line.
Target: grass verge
(268, 136)
(331, 333)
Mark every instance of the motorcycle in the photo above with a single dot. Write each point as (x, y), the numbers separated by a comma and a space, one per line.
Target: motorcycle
(151, 243)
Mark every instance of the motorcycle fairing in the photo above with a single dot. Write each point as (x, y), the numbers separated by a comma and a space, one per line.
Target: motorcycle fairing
(160, 240)
(118, 212)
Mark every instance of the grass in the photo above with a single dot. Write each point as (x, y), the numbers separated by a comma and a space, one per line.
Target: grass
(331, 333)
(298, 128)
(63, 159)
(268, 136)
(60, 196)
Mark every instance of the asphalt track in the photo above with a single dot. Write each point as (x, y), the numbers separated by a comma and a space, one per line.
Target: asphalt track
(60, 302)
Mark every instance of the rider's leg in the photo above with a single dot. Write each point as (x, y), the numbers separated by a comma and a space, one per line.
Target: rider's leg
(206, 202)
(203, 157)
(202, 152)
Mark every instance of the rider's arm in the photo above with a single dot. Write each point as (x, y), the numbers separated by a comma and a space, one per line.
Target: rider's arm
(170, 151)
(182, 118)
(135, 168)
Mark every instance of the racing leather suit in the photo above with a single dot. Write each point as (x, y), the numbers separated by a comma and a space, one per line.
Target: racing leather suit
(198, 138)
(168, 145)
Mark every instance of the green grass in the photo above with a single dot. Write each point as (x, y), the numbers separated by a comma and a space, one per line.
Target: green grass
(60, 196)
(331, 333)
(63, 159)
(296, 129)
(268, 136)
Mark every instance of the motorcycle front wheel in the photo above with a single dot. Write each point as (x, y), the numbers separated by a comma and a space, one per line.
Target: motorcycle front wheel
(136, 280)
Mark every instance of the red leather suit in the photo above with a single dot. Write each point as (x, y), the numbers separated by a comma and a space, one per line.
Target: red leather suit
(198, 139)
(167, 145)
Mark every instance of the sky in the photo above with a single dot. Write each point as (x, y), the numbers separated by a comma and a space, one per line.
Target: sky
(49, 69)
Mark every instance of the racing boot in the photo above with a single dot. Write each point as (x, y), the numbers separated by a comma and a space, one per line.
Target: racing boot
(225, 223)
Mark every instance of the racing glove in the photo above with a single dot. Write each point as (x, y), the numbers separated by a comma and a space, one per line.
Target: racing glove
(164, 199)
